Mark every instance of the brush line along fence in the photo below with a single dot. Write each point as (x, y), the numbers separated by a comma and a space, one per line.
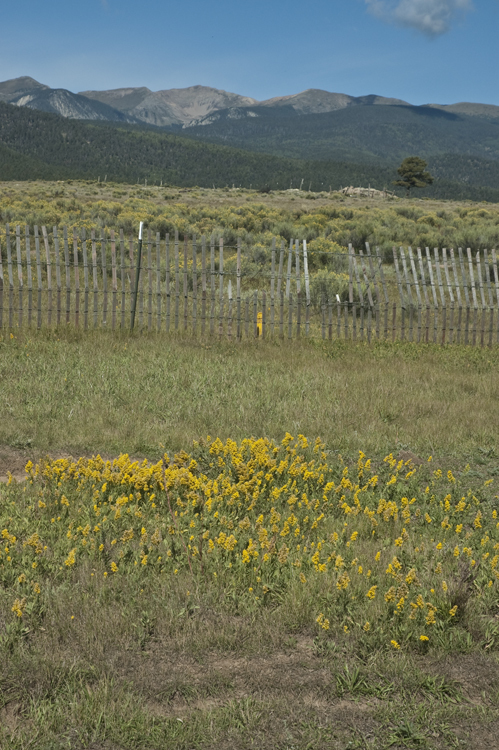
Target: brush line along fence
(444, 296)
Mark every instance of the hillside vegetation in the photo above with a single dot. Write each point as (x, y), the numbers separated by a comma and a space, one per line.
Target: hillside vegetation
(38, 145)
(337, 591)
(380, 134)
(327, 221)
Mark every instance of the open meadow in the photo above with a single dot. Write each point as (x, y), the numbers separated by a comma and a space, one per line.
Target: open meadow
(255, 544)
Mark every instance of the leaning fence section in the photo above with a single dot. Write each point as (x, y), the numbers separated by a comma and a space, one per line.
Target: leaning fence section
(196, 285)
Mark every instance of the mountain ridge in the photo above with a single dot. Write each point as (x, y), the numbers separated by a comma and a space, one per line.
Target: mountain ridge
(185, 107)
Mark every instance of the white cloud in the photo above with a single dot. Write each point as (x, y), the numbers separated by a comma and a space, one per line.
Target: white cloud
(432, 17)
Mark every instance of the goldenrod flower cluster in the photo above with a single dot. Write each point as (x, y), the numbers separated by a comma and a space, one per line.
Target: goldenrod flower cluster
(392, 551)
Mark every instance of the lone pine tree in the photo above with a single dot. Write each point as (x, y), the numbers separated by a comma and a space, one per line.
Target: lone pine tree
(413, 173)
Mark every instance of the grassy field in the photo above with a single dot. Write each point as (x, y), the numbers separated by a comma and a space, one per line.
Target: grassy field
(280, 593)
(299, 545)
(328, 221)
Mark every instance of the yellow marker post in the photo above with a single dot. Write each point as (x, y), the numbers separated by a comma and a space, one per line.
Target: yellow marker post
(259, 323)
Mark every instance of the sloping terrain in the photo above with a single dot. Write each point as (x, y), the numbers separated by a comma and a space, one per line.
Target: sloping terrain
(356, 133)
(42, 145)
(26, 92)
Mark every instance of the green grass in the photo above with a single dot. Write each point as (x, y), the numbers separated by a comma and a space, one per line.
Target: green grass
(155, 661)
(99, 392)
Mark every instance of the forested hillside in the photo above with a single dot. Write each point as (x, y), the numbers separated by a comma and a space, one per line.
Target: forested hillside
(377, 134)
(34, 144)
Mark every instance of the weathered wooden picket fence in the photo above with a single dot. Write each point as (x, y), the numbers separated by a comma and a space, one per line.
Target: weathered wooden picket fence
(53, 279)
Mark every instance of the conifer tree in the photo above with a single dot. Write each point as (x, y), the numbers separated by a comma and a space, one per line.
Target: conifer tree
(413, 173)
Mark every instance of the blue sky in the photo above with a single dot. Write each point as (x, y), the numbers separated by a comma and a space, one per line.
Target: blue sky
(423, 51)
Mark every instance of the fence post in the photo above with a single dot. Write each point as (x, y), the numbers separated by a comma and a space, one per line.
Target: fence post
(137, 274)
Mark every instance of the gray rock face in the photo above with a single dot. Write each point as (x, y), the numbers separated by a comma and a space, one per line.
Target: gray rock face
(26, 92)
(191, 106)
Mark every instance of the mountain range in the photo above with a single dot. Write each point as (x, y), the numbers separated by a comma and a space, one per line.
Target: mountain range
(204, 136)
(195, 105)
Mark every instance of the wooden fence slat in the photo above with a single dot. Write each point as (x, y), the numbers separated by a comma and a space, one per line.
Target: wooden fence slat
(104, 281)
(281, 310)
(264, 313)
(122, 276)
(425, 293)
(400, 291)
(338, 318)
(375, 285)
(272, 283)
(442, 294)
(489, 295)
(94, 277)
(496, 283)
(473, 292)
(212, 282)
(229, 316)
(114, 280)
(416, 287)
(434, 295)
(357, 277)
(298, 274)
(238, 287)
(482, 298)
(290, 316)
(221, 282)
(38, 278)
(177, 280)
(29, 274)
(409, 293)
(298, 314)
(19, 276)
(57, 252)
(466, 295)
(221, 316)
(298, 288)
(203, 284)
(85, 277)
(450, 293)
(168, 282)
(398, 277)
(458, 295)
(350, 274)
(11, 277)
(323, 317)
(281, 265)
(158, 282)
(366, 278)
(247, 315)
(330, 318)
(255, 314)
(351, 298)
(194, 285)
(49, 275)
(76, 272)
(132, 269)
(307, 288)
(288, 274)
